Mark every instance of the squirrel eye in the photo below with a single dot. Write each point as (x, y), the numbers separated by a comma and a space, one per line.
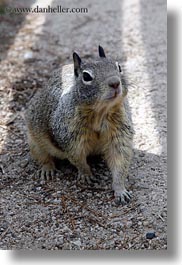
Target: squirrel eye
(87, 77)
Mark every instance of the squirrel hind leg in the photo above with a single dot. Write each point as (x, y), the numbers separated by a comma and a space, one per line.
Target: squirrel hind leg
(48, 169)
(44, 158)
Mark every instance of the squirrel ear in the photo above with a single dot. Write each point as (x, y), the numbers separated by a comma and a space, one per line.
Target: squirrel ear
(101, 52)
(77, 62)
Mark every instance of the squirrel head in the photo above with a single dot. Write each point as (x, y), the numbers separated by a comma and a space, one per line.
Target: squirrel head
(99, 80)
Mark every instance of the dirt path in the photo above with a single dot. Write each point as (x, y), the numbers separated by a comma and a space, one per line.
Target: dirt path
(60, 215)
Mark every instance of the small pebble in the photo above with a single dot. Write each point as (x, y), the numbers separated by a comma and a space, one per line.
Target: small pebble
(150, 235)
(61, 240)
(66, 229)
(24, 163)
(145, 223)
(164, 214)
(121, 234)
(129, 224)
(28, 55)
(57, 200)
(77, 243)
(66, 246)
(142, 208)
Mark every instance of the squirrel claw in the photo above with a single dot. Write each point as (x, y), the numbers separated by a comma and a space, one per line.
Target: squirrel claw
(122, 197)
(46, 174)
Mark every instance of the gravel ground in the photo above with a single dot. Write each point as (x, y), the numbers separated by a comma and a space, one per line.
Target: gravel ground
(60, 215)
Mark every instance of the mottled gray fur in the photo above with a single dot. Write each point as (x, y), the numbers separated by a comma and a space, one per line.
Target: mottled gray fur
(74, 113)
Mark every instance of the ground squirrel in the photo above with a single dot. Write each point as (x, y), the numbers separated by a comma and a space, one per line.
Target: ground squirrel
(83, 111)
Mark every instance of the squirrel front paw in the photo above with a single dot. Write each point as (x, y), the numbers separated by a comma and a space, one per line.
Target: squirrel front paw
(47, 173)
(122, 197)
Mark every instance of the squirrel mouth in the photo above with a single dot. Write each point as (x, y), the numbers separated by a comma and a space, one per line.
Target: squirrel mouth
(114, 94)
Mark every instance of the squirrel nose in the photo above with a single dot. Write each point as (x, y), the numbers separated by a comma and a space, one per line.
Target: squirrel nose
(114, 83)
